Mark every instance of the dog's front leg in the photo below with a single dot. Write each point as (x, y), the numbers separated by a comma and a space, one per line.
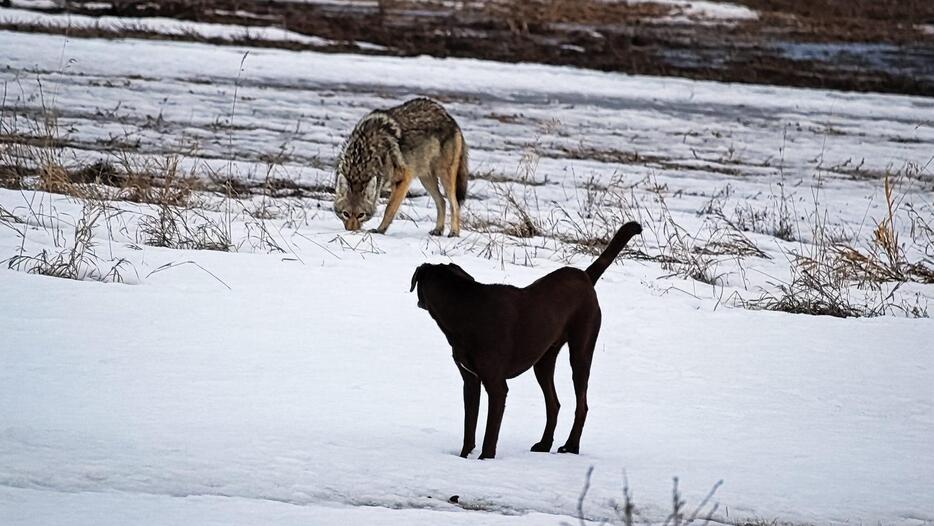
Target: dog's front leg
(496, 392)
(471, 409)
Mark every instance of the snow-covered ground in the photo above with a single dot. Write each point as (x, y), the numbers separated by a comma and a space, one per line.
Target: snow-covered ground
(701, 11)
(156, 26)
(305, 386)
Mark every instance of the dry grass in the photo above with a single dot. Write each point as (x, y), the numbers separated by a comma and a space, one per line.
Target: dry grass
(497, 177)
(76, 258)
(154, 181)
(886, 259)
(776, 218)
(524, 226)
(628, 514)
(830, 277)
(773, 220)
(600, 210)
(30, 154)
(31, 158)
(697, 255)
(184, 228)
(7, 217)
(816, 290)
(196, 208)
(186, 203)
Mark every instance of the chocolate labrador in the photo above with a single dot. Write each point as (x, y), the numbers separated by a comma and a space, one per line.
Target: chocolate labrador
(497, 332)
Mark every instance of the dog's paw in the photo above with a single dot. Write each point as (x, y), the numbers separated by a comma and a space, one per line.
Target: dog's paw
(465, 452)
(541, 447)
(568, 448)
(485, 456)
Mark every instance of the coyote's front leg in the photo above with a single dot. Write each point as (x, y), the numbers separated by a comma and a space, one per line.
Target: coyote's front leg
(400, 187)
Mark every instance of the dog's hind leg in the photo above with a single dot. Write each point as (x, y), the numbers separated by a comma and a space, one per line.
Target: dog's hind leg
(496, 392)
(471, 409)
(581, 347)
(545, 374)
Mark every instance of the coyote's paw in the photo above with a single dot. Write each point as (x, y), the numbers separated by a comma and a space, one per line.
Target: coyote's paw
(436, 231)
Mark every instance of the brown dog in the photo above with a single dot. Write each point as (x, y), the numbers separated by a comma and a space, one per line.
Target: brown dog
(497, 332)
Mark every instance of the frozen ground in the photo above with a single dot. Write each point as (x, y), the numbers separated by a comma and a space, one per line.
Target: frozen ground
(306, 387)
(695, 11)
(162, 26)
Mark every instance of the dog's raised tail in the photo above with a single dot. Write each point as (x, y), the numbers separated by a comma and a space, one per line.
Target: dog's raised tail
(625, 233)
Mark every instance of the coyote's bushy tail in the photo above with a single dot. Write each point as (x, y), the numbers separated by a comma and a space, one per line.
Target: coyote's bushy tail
(462, 171)
(625, 233)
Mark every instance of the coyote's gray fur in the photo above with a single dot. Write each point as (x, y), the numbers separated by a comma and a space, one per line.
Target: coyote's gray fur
(387, 149)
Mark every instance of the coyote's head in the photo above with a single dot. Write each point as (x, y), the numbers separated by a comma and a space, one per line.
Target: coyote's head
(366, 164)
(355, 206)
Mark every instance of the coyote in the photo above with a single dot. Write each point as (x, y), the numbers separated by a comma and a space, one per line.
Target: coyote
(386, 149)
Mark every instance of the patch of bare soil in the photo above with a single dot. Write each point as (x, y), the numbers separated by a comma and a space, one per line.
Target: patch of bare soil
(862, 45)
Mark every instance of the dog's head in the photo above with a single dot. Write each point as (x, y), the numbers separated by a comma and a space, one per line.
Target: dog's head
(428, 272)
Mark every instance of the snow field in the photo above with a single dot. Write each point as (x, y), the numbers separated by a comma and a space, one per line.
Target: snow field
(306, 386)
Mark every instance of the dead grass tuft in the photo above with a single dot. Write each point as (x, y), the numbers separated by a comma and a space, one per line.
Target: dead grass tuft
(627, 512)
(886, 258)
(832, 278)
(185, 228)
(77, 259)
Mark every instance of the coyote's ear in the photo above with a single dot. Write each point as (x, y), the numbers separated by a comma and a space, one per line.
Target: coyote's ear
(341, 186)
(371, 191)
(416, 276)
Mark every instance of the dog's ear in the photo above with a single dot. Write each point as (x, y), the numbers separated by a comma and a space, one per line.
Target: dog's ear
(456, 269)
(416, 276)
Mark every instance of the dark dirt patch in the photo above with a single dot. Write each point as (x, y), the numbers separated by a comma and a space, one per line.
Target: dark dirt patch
(862, 45)
(847, 20)
(152, 188)
(636, 158)
(499, 177)
(604, 155)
